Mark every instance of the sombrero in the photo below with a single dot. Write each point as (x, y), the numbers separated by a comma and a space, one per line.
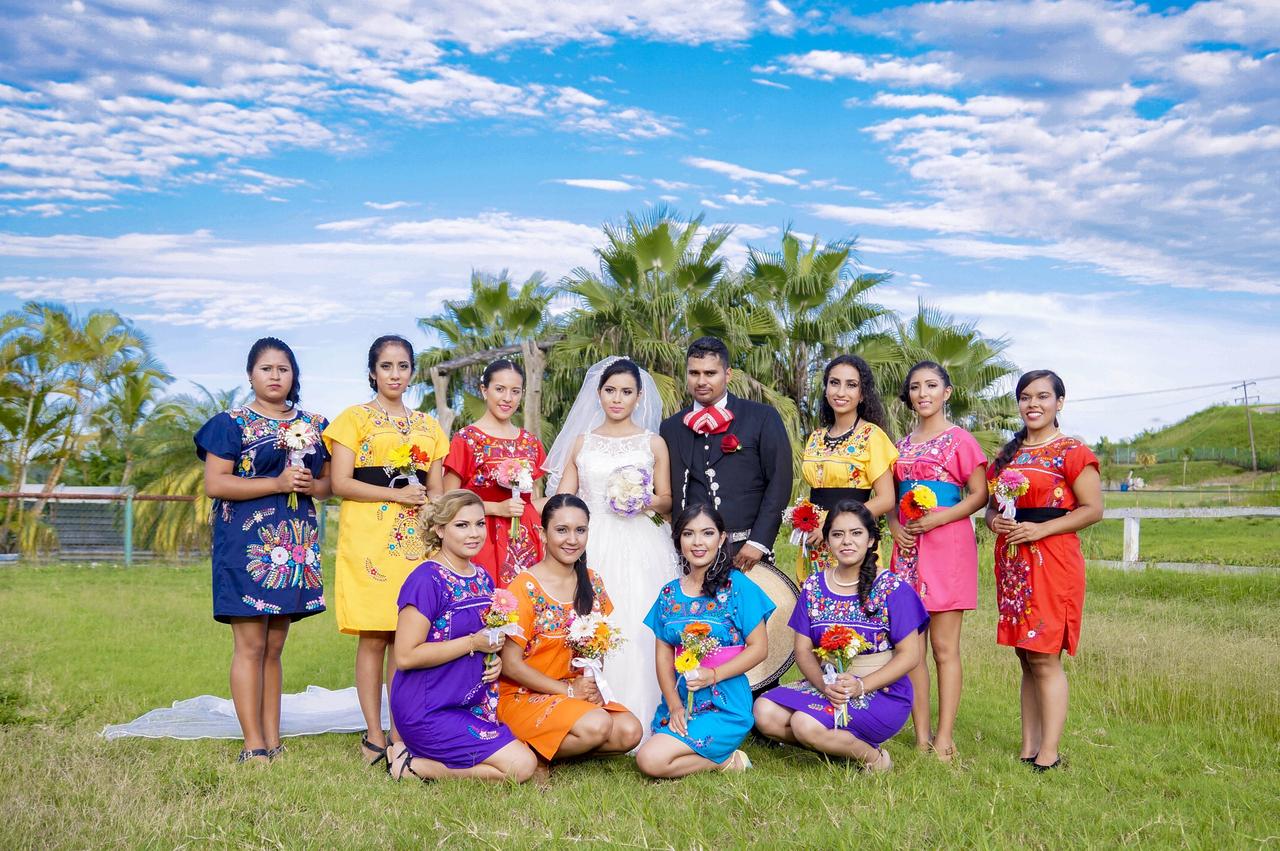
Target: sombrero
(784, 594)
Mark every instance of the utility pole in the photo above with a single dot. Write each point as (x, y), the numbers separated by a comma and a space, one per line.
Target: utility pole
(1244, 388)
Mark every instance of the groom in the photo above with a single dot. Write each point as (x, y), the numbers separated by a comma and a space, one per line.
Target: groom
(730, 453)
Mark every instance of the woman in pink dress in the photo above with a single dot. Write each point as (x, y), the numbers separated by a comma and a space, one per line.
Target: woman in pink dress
(937, 553)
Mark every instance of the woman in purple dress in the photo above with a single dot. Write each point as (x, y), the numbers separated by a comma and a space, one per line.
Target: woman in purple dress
(443, 695)
(881, 608)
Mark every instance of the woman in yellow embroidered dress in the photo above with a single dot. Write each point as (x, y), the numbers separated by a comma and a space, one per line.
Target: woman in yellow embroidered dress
(850, 456)
(379, 539)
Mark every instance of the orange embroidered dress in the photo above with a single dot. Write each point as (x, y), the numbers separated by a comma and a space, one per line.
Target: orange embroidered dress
(543, 720)
(1040, 588)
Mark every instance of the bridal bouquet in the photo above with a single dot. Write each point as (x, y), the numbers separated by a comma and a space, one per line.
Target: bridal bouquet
(1006, 488)
(629, 490)
(698, 644)
(404, 461)
(516, 474)
(501, 619)
(592, 638)
(804, 517)
(836, 649)
(299, 439)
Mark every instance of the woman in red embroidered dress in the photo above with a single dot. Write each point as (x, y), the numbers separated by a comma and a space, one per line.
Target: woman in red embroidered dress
(479, 458)
(1039, 565)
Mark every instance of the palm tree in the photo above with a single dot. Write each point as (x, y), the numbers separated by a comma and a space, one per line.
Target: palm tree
(661, 282)
(168, 464)
(123, 413)
(979, 371)
(497, 314)
(819, 308)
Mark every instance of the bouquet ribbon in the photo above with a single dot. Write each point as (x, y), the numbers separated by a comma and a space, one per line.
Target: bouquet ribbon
(493, 632)
(594, 669)
(948, 494)
(716, 657)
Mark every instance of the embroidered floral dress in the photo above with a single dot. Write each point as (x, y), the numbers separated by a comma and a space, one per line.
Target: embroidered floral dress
(845, 468)
(473, 457)
(943, 565)
(543, 720)
(379, 543)
(448, 713)
(1040, 588)
(722, 712)
(266, 555)
(895, 611)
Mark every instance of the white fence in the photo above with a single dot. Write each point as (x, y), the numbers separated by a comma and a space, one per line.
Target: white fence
(1133, 517)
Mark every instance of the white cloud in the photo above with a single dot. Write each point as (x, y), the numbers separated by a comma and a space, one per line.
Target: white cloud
(602, 185)
(834, 64)
(761, 81)
(751, 199)
(389, 205)
(737, 172)
(711, 205)
(350, 224)
(672, 185)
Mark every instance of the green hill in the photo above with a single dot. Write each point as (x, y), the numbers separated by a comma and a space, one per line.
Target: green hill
(1217, 433)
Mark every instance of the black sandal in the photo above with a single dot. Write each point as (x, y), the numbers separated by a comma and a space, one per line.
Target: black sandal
(381, 752)
(1029, 760)
(275, 753)
(246, 755)
(407, 765)
(1043, 768)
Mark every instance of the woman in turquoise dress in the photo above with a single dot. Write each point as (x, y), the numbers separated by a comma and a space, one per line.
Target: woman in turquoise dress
(266, 547)
(733, 610)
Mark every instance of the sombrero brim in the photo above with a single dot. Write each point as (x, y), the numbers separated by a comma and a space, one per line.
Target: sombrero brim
(783, 592)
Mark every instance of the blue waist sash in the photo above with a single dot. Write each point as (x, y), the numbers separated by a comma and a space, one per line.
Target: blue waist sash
(947, 493)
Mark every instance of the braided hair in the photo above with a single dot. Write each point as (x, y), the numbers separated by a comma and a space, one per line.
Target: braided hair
(871, 561)
(1011, 448)
(584, 597)
(717, 575)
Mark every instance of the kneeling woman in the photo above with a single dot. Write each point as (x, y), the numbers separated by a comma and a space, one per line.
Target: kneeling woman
(711, 598)
(559, 714)
(882, 609)
(443, 695)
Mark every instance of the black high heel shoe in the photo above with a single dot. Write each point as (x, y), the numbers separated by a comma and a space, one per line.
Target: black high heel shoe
(1029, 760)
(1043, 768)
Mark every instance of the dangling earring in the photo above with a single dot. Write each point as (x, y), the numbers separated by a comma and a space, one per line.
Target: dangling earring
(684, 564)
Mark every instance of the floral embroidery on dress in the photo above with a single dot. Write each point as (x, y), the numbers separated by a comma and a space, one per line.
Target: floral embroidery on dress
(317, 603)
(260, 605)
(373, 571)
(405, 538)
(258, 515)
(287, 557)
(873, 623)
(1013, 586)
(853, 450)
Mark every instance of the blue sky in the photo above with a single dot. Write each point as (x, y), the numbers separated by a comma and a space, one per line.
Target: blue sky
(1098, 181)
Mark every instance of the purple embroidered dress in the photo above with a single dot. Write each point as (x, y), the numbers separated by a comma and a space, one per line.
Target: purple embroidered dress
(896, 612)
(447, 713)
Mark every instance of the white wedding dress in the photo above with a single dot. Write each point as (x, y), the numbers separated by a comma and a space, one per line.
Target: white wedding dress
(634, 557)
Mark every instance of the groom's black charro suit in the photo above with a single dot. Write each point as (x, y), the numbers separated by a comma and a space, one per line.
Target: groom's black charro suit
(752, 484)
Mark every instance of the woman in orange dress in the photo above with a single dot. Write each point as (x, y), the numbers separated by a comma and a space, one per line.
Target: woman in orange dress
(478, 457)
(545, 701)
(1039, 565)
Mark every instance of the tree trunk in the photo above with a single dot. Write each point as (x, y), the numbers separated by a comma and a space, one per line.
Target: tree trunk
(444, 414)
(535, 362)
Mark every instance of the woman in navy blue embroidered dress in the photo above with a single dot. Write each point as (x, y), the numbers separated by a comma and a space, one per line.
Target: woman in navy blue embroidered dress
(266, 553)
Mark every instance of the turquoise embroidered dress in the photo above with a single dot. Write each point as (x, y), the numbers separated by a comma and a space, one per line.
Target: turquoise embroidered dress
(721, 713)
(266, 555)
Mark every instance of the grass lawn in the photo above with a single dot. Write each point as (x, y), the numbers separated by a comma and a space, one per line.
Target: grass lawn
(1212, 540)
(1171, 741)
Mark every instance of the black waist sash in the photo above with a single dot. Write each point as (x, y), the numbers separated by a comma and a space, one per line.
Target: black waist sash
(1039, 515)
(378, 477)
(827, 498)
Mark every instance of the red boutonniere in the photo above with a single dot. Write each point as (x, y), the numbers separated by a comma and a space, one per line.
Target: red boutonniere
(730, 443)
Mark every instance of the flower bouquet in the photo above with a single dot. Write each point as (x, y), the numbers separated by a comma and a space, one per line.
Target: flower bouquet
(629, 492)
(404, 462)
(1006, 488)
(835, 650)
(917, 502)
(517, 475)
(591, 638)
(299, 439)
(698, 644)
(501, 619)
(804, 517)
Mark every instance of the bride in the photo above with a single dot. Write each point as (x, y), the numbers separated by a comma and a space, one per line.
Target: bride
(612, 429)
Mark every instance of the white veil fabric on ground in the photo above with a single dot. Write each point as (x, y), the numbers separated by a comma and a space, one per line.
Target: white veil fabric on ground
(586, 414)
(312, 712)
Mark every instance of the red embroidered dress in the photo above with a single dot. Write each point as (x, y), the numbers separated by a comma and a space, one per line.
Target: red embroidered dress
(473, 456)
(1040, 588)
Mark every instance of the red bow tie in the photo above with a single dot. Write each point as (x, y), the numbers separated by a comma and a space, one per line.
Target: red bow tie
(710, 420)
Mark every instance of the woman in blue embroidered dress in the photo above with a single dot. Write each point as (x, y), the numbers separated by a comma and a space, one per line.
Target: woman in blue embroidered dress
(266, 551)
(875, 688)
(711, 592)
